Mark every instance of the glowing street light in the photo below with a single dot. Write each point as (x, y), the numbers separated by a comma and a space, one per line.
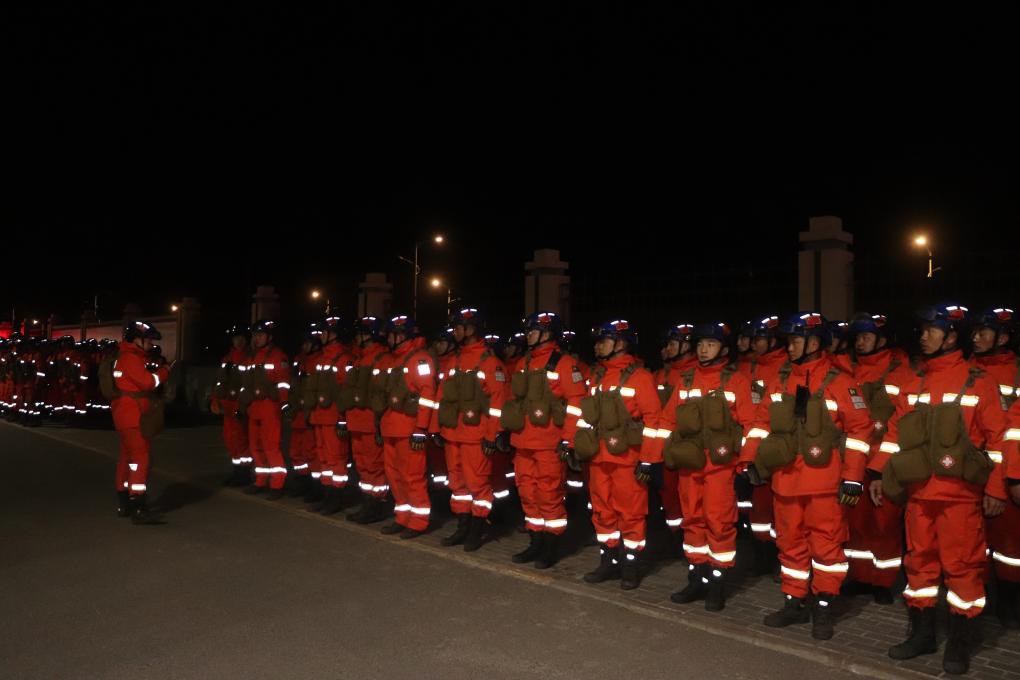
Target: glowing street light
(921, 241)
(438, 239)
(174, 308)
(316, 295)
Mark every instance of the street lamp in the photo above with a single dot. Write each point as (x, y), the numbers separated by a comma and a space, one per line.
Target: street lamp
(921, 241)
(316, 295)
(438, 283)
(438, 239)
(174, 308)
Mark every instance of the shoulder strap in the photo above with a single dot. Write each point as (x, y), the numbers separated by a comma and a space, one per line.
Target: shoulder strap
(972, 375)
(829, 377)
(893, 365)
(627, 372)
(784, 374)
(554, 361)
(688, 378)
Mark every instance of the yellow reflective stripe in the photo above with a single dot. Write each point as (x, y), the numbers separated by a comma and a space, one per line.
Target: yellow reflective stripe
(1011, 561)
(859, 554)
(1013, 434)
(723, 557)
(627, 392)
(696, 549)
(1006, 390)
(995, 456)
(777, 397)
(552, 375)
(732, 398)
(574, 411)
(650, 432)
(887, 564)
(692, 394)
(681, 394)
(857, 445)
(582, 423)
(495, 412)
(841, 568)
(427, 403)
(831, 405)
(930, 591)
(663, 434)
(795, 573)
(892, 389)
(958, 602)
(889, 447)
(757, 432)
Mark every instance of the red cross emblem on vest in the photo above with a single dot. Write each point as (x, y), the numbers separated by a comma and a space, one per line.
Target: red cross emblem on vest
(947, 461)
(613, 441)
(469, 414)
(538, 413)
(722, 450)
(815, 451)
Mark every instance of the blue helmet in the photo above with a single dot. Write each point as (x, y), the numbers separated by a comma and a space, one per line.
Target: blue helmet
(767, 327)
(869, 323)
(370, 326)
(717, 330)
(680, 332)
(999, 319)
(402, 323)
(266, 326)
(618, 329)
(839, 330)
(141, 329)
(544, 321)
(806, 324)
(468, 316)
(946, 317)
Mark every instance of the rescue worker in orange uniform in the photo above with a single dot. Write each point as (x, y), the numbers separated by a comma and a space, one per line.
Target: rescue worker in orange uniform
(301, 449)
(444, 350)
(134, 384)
(708, 428)
(934, 458)
(992, 332)
(263, 399)
(331, 365)
(875, 548)
(678, 357)
(541, 415)
(502, 457)
(576, 479)
(768, 349)
(815, 472)
(470, 402)
(623, 451)
(224, 401)
(410, 401)
(358, 418)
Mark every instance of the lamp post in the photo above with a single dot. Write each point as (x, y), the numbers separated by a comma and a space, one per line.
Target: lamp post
(316, 295)
(922, 241)
(439, 240)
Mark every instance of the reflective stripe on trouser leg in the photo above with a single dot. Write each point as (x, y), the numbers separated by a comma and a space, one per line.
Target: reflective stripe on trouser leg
(791, 540)
(761, 515)
(1004, 539)
(267, 414)
(550, 483)
(405, 470)
(669, 496)
(603, 515)
(368, 459)
(924, 571)
(962, 550)
(477, 469)
(460, 495)
(137, 449)
(826, 525)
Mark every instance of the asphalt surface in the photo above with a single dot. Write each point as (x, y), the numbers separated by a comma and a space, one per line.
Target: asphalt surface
(233, 587)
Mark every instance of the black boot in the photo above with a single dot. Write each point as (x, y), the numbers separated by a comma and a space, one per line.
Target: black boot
(920, 635)
(333, 503)
(460, 533)
(822, 618)
(123, 504)
(534, 549)
(325, 495)
(550, 544)
(274, 495)
(697, 585)
(1008, 604)
(392, 528)
(956, 657)
(882, 595)
(232, 480)
(372, 510)
(298, 485)
(609, 566)
(140, 513)
(255, 489)
(715, 598)
(630, 576)
(314, 492)
(765, 558)
(475, 534)
(410, 533)
(793, 611)
(243, 473)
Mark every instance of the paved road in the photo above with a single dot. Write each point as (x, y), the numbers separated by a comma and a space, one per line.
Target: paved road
(232, 588)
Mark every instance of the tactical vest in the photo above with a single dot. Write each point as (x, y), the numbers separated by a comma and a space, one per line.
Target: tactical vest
(397, 395)
(609, 418)
(703, 422)
(464, 396)
(324, 390)
(256, 385)
(933, 440)
(811, 434)
(533, 397)
(361, 383)
(228, 382)
(880, 406)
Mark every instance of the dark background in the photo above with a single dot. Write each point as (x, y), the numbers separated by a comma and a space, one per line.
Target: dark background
(671, 154)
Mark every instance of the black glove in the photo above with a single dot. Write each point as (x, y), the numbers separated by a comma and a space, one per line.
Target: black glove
(418, 440)
(754, 476)
(742, 486)
(850, 493)
(238, 414)
(564, 450)
(438, 440)
(503, 441)
(488, 447)
(341, 429)
(643, 473)
(284, 407)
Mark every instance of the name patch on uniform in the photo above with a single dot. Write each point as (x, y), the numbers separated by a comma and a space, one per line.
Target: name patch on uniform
(500, 376)
(424, 368)
(576, 376)
(857, 399)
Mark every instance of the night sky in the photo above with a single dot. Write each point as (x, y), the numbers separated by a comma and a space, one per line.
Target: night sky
(158, 150)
